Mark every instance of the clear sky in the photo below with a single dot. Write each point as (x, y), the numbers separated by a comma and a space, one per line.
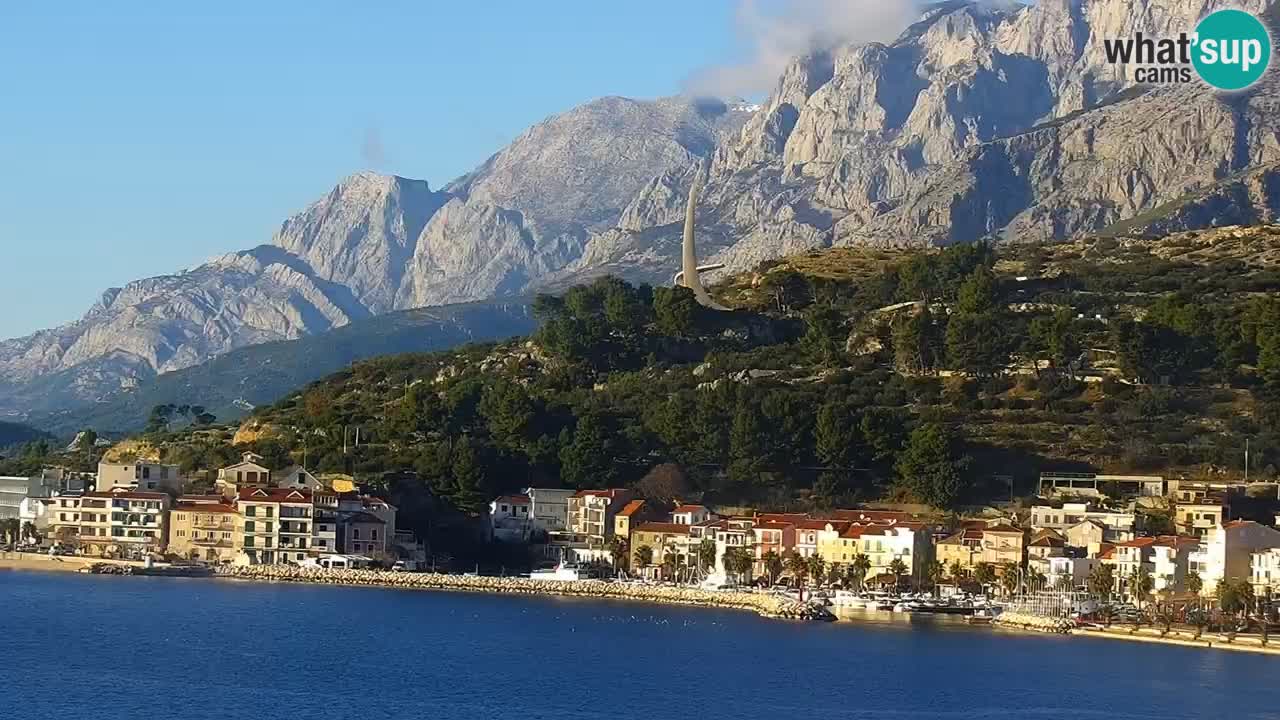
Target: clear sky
(140, 138)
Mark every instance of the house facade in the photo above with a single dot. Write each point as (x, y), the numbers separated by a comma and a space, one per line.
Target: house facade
(120, 523)
(276, 526)
(143, 476)
(207, 532)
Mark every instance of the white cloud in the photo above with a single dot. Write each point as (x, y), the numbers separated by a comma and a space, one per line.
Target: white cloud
(788, 28)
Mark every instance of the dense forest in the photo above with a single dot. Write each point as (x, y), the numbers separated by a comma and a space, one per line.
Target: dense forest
(944, 377)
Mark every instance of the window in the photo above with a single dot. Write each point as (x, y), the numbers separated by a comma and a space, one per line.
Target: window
(355, 533)
(248, 541)
(251, 511)
(267, 511)
(183, 533)
(226, 536)
(373, 534)
(249, 526)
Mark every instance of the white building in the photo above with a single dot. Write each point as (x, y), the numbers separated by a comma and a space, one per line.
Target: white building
(1227, 553)
(1073, 570)
(1265, 570)
(510, 518)
(549, 508)
(690, 514)
(141, 476)
(1118, 525)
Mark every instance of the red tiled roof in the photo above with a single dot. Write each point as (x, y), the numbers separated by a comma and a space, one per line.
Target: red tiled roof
(1138, 542)
(513, 499)
(206, 508)
(1107, 553)
(661, 527)
(774, 525)
(274, 495)
(690, 509)
(1048, 542)
(818, 524)
(631, 508)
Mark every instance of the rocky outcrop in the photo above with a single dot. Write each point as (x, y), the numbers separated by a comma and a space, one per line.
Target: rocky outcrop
(983, 120)
(764, 604)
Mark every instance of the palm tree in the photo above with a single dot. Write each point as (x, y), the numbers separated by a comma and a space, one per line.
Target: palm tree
(644, 556)
(772, 566)
(670, 563)
(858, 569)
(897, 569)
(817, 568)
(1102, 580)
(29, 531)
(9, 528)
(706, 555)
(1009, 579)
(1194, 583)
(934, 572)
(797, 566)
(1140, 584)
(984, 574)
(956, 572)
(618, 552)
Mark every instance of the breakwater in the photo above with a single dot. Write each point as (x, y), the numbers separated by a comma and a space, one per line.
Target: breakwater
(767, 605)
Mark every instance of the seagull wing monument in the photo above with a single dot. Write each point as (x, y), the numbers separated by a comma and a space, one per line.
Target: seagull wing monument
(688, 276)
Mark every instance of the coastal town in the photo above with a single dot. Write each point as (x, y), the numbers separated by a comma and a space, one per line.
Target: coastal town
(1139, 542)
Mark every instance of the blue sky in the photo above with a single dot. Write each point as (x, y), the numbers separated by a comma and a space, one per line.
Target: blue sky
(139, 138)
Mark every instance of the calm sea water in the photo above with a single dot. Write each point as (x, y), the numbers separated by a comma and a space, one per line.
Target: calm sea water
(107, 648)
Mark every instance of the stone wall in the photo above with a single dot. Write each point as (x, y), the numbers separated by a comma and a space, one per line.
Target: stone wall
(764, 604)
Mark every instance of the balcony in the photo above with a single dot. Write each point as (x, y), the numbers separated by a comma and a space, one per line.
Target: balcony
(212, 542)
(214, 525)
(295, 528)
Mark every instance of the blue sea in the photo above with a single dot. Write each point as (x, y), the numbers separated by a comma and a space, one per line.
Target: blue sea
(123, 648)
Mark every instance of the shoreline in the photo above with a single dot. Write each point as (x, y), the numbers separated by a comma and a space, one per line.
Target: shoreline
(764, 605)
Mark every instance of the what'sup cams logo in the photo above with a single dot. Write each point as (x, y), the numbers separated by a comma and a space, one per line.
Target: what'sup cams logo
(1229, 50)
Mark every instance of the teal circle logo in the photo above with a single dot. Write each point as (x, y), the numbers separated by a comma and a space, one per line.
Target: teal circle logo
(1232, 49)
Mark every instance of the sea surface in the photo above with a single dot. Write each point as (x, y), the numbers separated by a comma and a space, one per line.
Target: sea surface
(120, 648)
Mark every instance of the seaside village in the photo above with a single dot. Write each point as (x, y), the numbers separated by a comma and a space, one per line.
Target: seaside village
(1144, 537)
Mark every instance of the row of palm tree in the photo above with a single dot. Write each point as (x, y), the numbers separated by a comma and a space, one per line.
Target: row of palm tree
(12, 531)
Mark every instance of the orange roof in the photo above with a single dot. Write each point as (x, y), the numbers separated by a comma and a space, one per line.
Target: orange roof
(857, 531)
(1107, 553)
(1138, 542)
(513, 499)
(690, 509)
(631, 508)
(1238, 523)
(661, 527)
(1048, 541)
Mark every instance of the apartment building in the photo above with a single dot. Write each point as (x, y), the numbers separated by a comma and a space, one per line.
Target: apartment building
(142, 476)
(1117, 525)
(549, 509)
(997, 544)
(591, 514)
(660, 538)
(1227, 552)
(205, 530)
(276, 527)
(119, 523)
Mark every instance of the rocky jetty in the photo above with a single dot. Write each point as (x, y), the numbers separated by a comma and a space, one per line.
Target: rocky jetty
(1037, 623)
(764, 604)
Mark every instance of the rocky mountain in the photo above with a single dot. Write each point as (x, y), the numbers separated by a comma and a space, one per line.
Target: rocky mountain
(982, 120)
(234, 382)
(374, 244)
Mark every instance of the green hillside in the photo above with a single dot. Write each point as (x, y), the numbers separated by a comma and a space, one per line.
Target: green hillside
(231, 384)
(935, 377)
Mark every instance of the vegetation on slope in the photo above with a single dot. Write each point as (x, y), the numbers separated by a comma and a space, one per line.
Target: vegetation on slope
(1106, 354)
